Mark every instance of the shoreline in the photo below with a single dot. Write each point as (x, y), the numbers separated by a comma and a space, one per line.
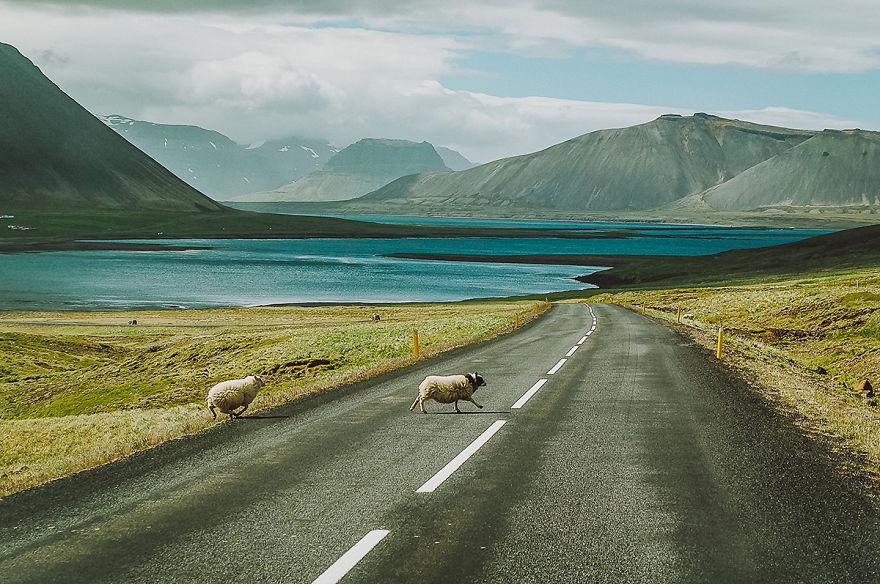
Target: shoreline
(50, 246)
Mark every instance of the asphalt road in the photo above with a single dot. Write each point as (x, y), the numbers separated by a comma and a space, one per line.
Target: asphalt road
(638, 460)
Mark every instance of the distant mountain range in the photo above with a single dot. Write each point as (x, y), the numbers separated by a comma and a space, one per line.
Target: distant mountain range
(360, 168)
(55, 155)
(226, 170)
(640, 167)
(218, 166)
(678, 162)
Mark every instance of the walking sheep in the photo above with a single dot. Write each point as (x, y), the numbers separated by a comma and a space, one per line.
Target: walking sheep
(228, 396)
(447, 389)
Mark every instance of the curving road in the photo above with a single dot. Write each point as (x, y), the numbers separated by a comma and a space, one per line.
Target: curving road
(637, 460)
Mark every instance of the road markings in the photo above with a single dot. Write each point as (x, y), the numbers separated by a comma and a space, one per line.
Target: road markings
(572, 350)
(349, 559)
(583, 340)
(528, 395)
(452, 466)
(557, 366)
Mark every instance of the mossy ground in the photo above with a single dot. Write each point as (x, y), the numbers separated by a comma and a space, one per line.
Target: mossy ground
(81, 389)
(806, 341)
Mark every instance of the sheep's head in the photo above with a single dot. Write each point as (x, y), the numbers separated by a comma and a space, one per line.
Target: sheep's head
(475, 379)
(258, 380)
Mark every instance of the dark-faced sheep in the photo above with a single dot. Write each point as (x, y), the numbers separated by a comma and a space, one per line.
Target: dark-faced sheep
(228, 396)
(447, 389)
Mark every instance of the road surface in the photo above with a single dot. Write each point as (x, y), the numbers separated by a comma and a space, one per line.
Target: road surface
(637, 459)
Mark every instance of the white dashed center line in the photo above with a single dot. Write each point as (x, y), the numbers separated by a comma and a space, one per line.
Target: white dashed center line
(528, 395)
(557, 366)
(583, 340)
(445, 472)
(572, 350)
(349, 559)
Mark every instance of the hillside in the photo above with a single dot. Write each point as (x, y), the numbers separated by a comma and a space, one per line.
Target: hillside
(833, 169)
(452, 159)
(851, 248)
(56, 155)
(218, 166)
(358, 169)
(640, 167)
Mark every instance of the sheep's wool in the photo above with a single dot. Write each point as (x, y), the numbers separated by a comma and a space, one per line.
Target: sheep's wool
(445, 388)
(233, 394)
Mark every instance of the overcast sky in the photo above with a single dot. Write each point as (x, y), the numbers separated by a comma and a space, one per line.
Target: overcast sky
(488, 78)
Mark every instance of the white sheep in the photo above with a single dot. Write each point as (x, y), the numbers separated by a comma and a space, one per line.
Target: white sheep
(447, 389)
(228, 396)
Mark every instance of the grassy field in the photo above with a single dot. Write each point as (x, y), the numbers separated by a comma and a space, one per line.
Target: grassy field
(806, 341)
(82, 389)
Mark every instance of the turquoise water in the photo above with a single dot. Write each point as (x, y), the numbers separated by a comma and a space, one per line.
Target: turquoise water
(250, 272)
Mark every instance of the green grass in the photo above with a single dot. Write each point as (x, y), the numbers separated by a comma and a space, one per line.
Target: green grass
(81, 389)
(783, 333)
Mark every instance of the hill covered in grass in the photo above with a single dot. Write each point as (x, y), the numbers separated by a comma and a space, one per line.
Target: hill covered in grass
(835, 168)
(56, 155)
(851, 248)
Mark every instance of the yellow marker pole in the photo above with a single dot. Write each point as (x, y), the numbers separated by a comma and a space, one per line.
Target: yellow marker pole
(415, 344)
(678, 314)
(720, 342)
(516, 320)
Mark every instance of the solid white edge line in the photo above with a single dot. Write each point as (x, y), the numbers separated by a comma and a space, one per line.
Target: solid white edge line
(452, 466)
(528, 394)
(349, 559)
(572, 350)
(583, 340)
(556, 367)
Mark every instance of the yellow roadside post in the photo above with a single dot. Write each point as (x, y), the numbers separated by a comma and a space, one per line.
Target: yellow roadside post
(415, 344)
(516, 320)
(678, 314)
(720, 342)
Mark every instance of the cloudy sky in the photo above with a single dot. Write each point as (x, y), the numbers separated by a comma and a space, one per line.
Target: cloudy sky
(489, 78)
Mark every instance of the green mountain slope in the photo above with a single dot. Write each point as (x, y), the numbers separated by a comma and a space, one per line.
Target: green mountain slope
(360, 168)
(835, 168)
(218, 166)
(56, 155)
(640, 167)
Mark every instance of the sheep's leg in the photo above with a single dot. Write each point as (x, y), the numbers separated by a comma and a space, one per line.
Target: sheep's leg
(422, 405)
(457, 411)
(415, 401)
(242, 410)
(213, 413)
(470, 399)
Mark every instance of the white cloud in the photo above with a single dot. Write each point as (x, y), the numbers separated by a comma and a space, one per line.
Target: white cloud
(254, 77)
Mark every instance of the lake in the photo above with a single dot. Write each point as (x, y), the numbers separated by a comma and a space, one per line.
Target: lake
(252, 272)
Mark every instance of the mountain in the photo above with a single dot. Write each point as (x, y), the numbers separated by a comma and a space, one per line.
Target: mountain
(834, 168)
(360, 168)
(634, 168)
(56, 155)
(453, 159)
(218, 166)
